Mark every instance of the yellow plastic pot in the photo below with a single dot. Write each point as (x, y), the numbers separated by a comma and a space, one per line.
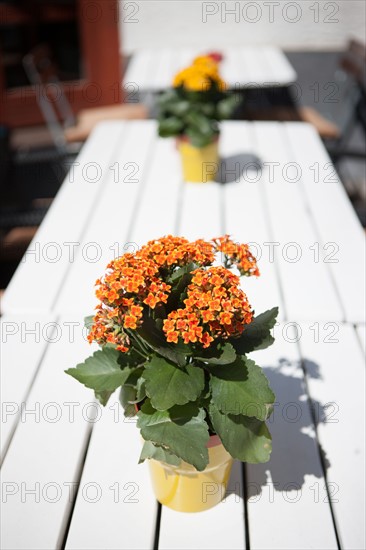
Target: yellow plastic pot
(199, 164)
(184, 489)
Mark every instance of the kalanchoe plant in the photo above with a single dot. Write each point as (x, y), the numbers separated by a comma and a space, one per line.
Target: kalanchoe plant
(198, 100)
(175, 331)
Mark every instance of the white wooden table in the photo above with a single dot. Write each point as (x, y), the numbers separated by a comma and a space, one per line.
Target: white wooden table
(70, 477)
(242, 67)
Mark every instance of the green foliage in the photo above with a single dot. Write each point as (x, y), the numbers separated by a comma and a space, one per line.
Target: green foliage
(194, 114)
(182, 430)
(257, 335)
(168, 385)
(241, 388)
(149, 450)
(102, 371)
(183, 393)
(245, 438)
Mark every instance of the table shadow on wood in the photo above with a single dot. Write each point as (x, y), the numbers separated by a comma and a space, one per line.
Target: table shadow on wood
(232, 168)
(292, 426)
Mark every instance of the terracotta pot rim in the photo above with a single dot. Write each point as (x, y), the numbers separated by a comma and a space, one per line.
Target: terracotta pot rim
(214, 441)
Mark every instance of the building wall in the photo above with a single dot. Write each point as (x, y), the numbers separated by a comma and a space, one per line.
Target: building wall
(300, 25)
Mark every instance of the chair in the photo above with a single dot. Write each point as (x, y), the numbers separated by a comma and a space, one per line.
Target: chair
(67, 130)
(353, 63)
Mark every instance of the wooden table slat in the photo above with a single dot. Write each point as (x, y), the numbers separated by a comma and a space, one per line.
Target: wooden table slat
(335, 370)
(34, 286)
(107, 236)
(293, 233)
(158, 205)
(23, 341)
(342, 238)
(43, 462)
(244, 220)
(241, 67)
(361, 333)
(125, 489)
(219, 528)
(278, 66)
(283, 491)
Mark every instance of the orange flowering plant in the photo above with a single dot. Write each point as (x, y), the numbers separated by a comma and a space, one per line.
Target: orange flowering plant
(175, 328)
(197, 102)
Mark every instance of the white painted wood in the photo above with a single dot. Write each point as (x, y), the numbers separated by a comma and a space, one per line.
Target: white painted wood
(241, 67)
(156, 215)
(306, 297)
(255, 73)
(23, 341)
(281, 507)
(336, 378)
(232, 67)
(201, 212)
(140, 71)
(107, 234)
(278, 66)
(243, 213)
(47, 447)
(35, 284)
(165, 71)
(157, 204)
(126, 495)
(219, 528)
(361, 333)
(334, 219)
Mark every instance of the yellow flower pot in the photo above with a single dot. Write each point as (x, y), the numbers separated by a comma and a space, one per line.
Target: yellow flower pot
(184, 489)
(199, 164)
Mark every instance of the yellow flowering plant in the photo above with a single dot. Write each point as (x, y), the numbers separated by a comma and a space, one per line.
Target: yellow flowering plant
(175, 329)
(196, 103)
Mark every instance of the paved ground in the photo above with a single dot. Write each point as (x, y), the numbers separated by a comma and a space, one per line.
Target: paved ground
(325, 87)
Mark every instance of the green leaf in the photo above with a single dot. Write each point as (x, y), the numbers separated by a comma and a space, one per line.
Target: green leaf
(241, 388)
(88, 322)
(101, 371)
(208, 109)
(103, 396)
(181, 271)
(246, 439)
(140, 389)
(226, 106)
(156, 341)
(179, 108)
(168, 97)
(198, 139)
(168, 385)
(181, 430)
(198, 121)
(127, 398)
(149, 450)
(223, 355)
(131, 359)
(170, 126)
(257, 335)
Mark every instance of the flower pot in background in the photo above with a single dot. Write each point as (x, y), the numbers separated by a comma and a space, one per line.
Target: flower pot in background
(184, 489)
(199, 164)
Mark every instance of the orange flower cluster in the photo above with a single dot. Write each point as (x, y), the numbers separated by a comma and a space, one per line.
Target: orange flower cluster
(215, 307)
(134, 283)
(136, 280)
(238, 255)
